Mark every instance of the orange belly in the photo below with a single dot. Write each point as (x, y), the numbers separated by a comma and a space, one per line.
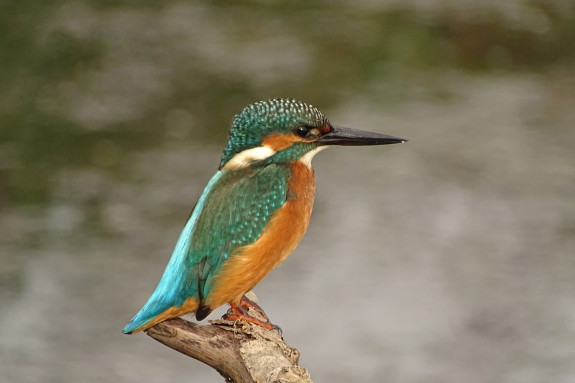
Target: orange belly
(251, 263)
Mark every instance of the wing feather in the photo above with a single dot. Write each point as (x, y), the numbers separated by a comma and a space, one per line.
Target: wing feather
(232, 212)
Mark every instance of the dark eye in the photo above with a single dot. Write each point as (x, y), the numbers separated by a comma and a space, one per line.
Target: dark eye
(302, 131)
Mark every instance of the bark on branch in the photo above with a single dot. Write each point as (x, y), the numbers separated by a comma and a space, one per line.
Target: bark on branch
(241, 352)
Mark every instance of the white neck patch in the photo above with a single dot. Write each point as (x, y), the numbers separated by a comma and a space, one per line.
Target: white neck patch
(306, 159)
(248, 156)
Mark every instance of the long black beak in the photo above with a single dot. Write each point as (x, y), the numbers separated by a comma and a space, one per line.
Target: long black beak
(354, 137)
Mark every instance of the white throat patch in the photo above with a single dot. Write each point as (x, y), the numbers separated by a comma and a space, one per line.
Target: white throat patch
(248, 156)
(306, 159)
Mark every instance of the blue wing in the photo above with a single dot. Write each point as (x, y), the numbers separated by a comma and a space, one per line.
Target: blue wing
(232, 212)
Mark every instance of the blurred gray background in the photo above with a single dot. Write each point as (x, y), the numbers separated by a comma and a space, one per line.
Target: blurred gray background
(447, 259)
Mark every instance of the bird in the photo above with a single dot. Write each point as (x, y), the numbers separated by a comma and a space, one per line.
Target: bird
(251, 215)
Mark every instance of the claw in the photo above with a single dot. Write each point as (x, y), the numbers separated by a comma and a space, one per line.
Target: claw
(241, 312)
(277, 329)
(248, 304)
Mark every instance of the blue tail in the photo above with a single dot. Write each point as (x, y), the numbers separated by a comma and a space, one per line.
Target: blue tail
(150, 311)
(174, 287)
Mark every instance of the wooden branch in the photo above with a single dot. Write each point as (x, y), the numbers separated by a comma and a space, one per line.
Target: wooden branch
(240, 351)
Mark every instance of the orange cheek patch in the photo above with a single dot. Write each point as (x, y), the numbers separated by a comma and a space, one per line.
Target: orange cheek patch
(280, 141)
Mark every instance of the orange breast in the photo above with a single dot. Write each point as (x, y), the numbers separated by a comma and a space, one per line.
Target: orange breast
(251, 263)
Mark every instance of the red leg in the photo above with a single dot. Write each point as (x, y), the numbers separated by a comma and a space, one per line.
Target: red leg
(247, 304)
(241, 312)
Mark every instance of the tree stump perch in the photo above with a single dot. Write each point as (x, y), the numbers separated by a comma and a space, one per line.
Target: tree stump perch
(240, 351)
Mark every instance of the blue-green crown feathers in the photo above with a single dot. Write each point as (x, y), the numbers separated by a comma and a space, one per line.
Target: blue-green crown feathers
(264, 118)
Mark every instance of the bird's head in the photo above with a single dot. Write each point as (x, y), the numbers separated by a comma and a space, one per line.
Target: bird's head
(285, 130)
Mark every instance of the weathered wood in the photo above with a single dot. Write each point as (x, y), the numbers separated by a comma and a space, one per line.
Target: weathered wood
(240, 351)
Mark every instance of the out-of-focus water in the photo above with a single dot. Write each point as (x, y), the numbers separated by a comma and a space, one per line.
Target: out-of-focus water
(447, 259)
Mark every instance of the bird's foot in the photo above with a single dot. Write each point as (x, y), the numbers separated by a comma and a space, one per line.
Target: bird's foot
(241, 312)
(248, 305)
(233, 315)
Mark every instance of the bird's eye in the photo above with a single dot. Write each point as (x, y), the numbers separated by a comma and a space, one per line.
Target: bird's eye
(302, 131)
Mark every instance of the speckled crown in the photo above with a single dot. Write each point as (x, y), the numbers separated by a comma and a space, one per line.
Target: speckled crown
(263, 118)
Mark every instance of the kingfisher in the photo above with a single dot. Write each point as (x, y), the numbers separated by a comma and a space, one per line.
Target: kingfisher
(251, 215)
